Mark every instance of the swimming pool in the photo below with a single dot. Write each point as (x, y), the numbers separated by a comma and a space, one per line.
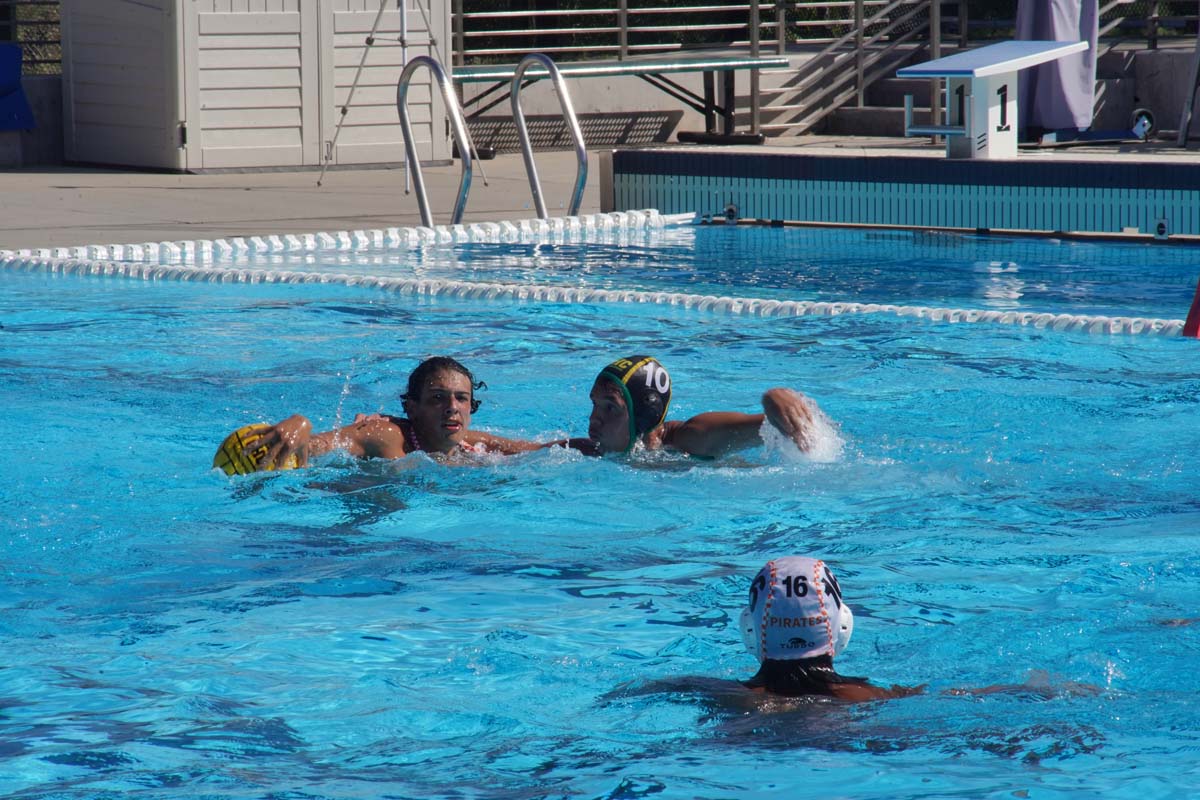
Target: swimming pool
(1008, 498)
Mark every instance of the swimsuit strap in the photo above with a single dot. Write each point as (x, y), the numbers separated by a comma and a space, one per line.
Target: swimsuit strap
(407, 428)
(411, 434)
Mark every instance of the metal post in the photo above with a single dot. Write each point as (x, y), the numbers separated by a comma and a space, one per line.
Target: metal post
(935, 51)
(710, 102)
(460, 37)
(728, 100)
(623, 30)
(935, 29)
(755, 21)
(963, 35)
(858, 51)
(1152, 26)
(1189, 103)
(781, 26)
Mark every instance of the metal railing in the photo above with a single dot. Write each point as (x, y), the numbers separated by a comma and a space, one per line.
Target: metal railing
(863, 39)
(881, 37)
(858, 37)
(846, 44)
(34, 25)
(498, 31)
(501, 30)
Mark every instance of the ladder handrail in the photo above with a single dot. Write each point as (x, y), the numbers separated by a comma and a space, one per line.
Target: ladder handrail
(564, 100)
(457, 124)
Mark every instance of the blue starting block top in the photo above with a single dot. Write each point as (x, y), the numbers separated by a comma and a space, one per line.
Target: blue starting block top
(995, 59)
(15, 114)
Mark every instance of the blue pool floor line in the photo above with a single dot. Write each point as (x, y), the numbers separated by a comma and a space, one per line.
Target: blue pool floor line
(191, 261)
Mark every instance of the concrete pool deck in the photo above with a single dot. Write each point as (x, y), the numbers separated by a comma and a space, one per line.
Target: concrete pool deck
(71, 206)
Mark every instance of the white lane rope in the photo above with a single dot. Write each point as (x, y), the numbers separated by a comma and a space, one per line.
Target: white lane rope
(206, 251)
(178, 261)
(563, 294)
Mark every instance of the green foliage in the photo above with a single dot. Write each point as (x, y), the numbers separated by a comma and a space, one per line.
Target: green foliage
(34, 25)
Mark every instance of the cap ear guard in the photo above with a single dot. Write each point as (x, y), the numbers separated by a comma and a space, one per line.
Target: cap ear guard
(749, 623)
(845, 630)
(749, 635)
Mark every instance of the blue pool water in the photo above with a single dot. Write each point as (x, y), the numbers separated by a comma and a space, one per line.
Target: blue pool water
(1008, 501)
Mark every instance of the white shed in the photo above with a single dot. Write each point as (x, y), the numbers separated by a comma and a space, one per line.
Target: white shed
(212, 84)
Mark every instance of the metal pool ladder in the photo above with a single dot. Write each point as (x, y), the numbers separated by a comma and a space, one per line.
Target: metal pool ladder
(463, 138)
(459, 127)
(564, 100)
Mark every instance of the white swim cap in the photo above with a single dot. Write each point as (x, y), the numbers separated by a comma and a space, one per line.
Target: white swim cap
(796, 611)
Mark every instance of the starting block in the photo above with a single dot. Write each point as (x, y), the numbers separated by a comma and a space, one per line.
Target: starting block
(981, 95)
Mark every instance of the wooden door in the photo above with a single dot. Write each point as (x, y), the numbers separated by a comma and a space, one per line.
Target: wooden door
(252, 83)
(370, 128)
(120, 74)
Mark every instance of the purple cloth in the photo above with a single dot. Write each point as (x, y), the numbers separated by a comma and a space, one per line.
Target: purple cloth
(1058, 95)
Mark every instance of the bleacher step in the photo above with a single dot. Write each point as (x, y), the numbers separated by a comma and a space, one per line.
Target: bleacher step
(870, 121)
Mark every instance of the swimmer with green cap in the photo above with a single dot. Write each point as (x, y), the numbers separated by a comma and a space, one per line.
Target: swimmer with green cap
(630, 398)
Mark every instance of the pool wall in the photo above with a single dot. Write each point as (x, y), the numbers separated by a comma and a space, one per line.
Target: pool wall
(1158, 199)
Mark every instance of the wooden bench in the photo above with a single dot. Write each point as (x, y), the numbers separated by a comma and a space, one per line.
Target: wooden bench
(981, 95)
(653, 71)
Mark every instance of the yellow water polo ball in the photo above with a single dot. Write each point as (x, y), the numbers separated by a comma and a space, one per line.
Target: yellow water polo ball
(237, 455)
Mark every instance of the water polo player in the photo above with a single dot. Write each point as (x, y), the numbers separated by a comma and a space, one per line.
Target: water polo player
(795, 623)
(439, 403)
(630, 398)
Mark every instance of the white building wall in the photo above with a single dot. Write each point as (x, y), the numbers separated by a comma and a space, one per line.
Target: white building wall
(370, 131)
(119, 72)
(212, 84)
(252, 83)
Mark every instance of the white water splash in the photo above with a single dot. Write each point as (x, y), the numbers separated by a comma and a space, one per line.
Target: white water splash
(825, 442)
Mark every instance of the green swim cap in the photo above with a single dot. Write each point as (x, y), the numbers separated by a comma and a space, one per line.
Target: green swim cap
(646, 386)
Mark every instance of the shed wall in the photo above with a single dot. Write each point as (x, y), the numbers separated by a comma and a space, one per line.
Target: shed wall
(219, 84)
